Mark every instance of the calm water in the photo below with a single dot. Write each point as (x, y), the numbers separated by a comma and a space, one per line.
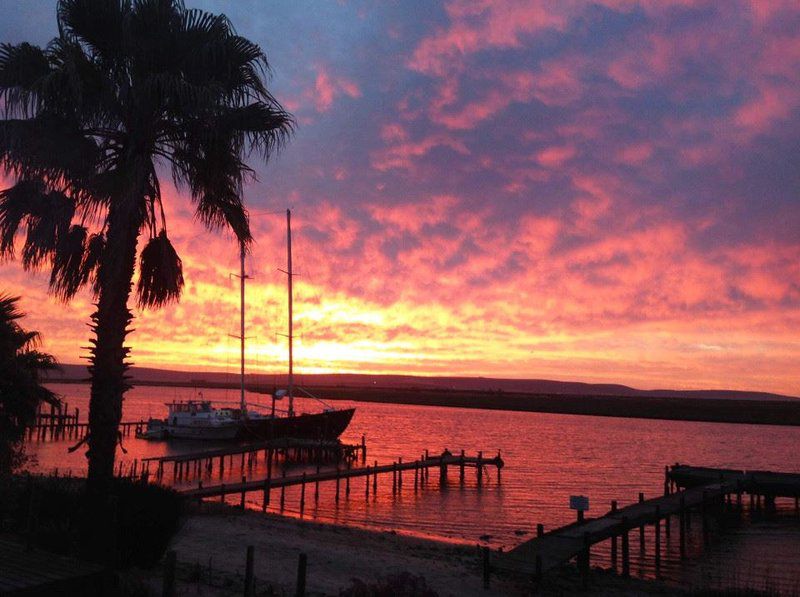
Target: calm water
(548, 458)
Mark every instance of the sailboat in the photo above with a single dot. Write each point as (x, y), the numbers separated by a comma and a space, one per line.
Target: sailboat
(200, 419)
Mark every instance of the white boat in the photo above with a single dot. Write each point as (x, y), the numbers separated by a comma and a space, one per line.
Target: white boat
(194, 419)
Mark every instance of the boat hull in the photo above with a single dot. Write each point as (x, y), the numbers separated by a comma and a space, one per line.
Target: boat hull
(327, 425)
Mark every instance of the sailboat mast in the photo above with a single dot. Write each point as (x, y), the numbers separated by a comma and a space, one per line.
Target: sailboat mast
(291, 320)
(242, 403)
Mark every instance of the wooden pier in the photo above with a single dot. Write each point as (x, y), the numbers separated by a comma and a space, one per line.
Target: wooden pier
(66, 427)
(61, 424)
(698, 489)
(420, 468)
(202, 462)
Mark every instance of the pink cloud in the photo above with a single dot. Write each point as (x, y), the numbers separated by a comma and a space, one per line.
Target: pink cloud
(635, 153)
(404, 155)
(412, 217)
(481, 25)
(554, 157)
(328, 87)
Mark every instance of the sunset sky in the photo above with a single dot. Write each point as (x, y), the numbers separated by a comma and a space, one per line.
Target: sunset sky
(595, 191)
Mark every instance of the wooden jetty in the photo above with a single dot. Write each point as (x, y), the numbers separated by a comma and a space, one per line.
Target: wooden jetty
(202, 462)
(702, 489)
(59, 424)
(421, 469)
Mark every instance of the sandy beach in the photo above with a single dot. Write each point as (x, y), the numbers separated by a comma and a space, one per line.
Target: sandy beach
(337, 556)
(211, 552)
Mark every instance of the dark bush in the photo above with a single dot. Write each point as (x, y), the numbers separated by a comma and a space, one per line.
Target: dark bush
(56, 514)
(403, 584)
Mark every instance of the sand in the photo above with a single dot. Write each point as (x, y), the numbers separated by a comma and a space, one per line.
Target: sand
(336, 556)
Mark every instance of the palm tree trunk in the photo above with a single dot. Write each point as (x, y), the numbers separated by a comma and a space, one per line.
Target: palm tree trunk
(110, 326)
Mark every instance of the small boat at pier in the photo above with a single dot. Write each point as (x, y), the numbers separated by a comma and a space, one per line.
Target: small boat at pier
(199, 419)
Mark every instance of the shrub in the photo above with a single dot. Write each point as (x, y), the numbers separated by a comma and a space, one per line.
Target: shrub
(403, 584)
(145, 518)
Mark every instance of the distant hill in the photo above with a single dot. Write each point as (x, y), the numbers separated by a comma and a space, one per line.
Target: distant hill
(475, 384)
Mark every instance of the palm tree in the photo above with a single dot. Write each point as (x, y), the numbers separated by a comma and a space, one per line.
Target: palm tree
(128, 89)
(21, 392)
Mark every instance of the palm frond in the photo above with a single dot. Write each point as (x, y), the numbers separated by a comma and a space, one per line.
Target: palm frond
(218, 211)
(92, 257)
(68, 273)
(16, 204)
(21, 67)
(97, 23)
(47, 223)
(160, 273)
(46, 146)
(267, 127)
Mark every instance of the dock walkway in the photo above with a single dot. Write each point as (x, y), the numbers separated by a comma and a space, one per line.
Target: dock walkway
(698, 489)
(187, 464)
(420, 467)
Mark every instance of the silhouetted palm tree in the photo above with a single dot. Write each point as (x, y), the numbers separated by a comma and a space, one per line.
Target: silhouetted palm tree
(21, 391)
(126, 88)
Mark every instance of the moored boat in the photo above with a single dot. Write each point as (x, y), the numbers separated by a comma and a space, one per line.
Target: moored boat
(200, 419)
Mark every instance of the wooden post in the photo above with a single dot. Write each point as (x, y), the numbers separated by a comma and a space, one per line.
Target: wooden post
(338, 476)
(614, 540)
(487, 568)
(168, 586)
(584, 560)
(641, 527)
(400, 476)
(316, 487)
(283, 488)
(375, 480)
(416, 476)
(302, 495)
(499, 468)
(666, 480)
(394, 478)
(347, 485)
(480, 468)
(222, 493)
(267, 483)
(241, 503)
(461, 468)
(626, 558)
(657, 532)
(249, 584)
(366, 485)
(363, 449)
(301, 575)
(682, 526)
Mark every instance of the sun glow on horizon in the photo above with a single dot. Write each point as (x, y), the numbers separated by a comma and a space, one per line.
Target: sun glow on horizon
(599, 192)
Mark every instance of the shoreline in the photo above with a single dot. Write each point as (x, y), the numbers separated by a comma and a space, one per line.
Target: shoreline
(673, 408)
(337, 554)
(211, 552)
